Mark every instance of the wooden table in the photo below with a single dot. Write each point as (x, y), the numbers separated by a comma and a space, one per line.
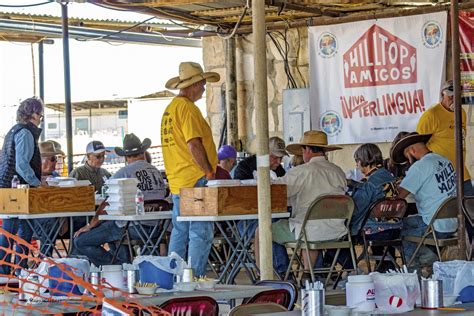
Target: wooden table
(239, 242)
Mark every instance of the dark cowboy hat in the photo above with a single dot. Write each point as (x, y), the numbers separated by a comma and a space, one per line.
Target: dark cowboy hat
(133, 146)
(399, 147)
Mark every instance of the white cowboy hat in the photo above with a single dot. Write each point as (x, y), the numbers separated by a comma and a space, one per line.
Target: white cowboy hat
(190, 73)
(311, 138)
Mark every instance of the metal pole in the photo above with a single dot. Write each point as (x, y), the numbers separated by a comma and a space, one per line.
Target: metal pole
(67, 86)
(41, 82)
(263, 158)
(231, 92)
(458, 124)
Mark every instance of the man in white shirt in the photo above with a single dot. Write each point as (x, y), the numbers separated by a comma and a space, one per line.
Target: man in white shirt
(306, 182)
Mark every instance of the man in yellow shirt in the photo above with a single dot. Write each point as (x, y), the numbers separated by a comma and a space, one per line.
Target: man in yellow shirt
(190, 158)
(439, 121)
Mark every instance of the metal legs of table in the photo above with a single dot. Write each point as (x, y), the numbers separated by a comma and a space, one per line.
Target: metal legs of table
(150, 245)
(49, 236)
(239, 245)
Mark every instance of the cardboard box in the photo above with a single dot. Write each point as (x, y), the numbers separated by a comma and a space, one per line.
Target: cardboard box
(234, 200)
(47, 200)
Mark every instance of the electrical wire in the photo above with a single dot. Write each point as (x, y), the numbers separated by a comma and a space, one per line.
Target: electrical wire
(284, 54)
(115, 33)
(225, 37)
(25, 5)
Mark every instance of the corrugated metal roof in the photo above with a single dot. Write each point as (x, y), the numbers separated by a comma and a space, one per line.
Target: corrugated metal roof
(225, 14)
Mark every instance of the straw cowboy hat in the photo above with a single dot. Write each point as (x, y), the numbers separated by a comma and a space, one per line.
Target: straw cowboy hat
(396, 153)
(311, 138)
(50, 148)
(133, 146)
(190, 73)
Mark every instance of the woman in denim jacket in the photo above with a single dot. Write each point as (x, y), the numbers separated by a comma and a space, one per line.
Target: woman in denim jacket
(377, 184)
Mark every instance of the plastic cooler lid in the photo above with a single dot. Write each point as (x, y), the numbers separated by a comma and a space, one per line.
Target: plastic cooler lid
(359, 278)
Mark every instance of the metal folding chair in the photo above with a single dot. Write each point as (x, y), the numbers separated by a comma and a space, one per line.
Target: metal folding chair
(383, 210)
(448, 209)
(325, 207)
(468, 209)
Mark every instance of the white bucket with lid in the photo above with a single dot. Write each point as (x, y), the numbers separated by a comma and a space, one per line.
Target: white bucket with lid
(113, 275)
(360, 293)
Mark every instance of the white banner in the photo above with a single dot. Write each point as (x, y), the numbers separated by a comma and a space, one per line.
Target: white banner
(372, 79)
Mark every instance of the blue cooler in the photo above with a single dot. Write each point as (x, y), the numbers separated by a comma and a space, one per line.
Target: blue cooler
(149, 273)
(62, 287)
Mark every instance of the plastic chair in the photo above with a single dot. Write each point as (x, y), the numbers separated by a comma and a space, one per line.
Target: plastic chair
(286, 285)
(325, 207)
(387, 208)
(256, 308)
(278, 296)
(448, 209)
(191, 306)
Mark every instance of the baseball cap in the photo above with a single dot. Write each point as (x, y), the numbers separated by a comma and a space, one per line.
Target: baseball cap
(225, 152)
(96, 147)
(448, 88)
(277, 146)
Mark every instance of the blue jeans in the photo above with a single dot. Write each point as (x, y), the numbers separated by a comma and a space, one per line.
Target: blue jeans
(90, 243)
(195, 238)
(14, 226)
(414, 226)
(279, 253)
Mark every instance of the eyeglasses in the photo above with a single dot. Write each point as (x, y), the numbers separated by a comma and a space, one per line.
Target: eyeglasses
(100, 156)
(52, 158)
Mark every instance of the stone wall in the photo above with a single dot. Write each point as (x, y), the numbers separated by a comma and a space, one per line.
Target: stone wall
(298, 59)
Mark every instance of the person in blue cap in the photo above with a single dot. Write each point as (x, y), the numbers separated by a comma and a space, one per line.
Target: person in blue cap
(227, 156)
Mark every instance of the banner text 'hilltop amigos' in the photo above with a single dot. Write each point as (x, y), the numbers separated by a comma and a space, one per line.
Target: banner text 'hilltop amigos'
(372, 79)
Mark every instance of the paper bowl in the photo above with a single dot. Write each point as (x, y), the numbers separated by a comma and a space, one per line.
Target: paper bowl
(207, 285)
(7, 297)
(449, 300)
(149, 290)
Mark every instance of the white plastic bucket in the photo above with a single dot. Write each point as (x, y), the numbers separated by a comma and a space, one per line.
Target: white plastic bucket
(113, 275)
(360, 293)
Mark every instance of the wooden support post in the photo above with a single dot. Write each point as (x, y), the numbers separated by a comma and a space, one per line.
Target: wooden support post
(458, 125)
(242, 104)
(263, 158)
(231, 92)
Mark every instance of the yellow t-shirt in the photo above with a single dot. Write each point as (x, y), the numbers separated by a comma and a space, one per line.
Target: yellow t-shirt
(181, 122)
(440, 122)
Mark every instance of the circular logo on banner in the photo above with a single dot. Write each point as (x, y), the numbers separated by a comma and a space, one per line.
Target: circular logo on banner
(327, 44)
(431, 34)
(331, 123)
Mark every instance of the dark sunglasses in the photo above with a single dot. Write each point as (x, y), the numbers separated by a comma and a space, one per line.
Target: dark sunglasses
(99, 156)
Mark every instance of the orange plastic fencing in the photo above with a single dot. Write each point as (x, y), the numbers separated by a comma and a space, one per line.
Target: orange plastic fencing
(37, 296)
